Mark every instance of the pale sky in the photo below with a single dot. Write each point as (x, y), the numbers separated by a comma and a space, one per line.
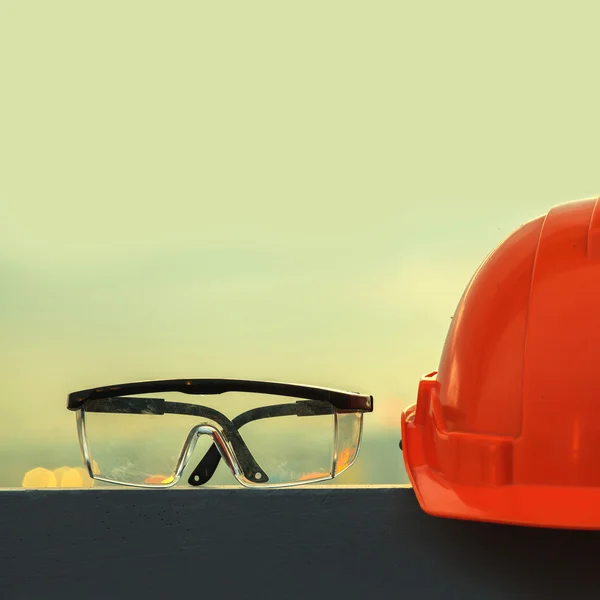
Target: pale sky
(293, 191)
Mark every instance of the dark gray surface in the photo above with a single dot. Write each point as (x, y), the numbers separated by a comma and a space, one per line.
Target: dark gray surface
(299, 543)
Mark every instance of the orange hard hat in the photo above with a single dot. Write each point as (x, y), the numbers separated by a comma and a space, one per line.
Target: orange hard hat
(507, 429)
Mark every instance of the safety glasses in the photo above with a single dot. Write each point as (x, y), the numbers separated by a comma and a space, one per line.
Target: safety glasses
(143, 434)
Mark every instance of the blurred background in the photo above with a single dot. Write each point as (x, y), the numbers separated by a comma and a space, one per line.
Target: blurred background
(270, 190)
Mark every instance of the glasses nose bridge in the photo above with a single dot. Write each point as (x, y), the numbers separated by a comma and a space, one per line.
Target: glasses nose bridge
(220, 442)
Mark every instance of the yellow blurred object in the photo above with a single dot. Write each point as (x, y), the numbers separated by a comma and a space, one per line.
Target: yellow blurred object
(344, 459)
(39, 478)
(154, 479)
(309, 476)
(67, 477)
(70, 477)
(63, 477)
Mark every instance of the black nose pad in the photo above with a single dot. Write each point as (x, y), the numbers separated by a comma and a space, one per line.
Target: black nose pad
(400, 444)
(206, 468)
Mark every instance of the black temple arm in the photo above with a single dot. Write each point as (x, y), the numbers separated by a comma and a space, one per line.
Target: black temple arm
(127, 405)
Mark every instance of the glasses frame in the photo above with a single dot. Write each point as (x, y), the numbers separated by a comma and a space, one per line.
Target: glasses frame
(230, 447)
